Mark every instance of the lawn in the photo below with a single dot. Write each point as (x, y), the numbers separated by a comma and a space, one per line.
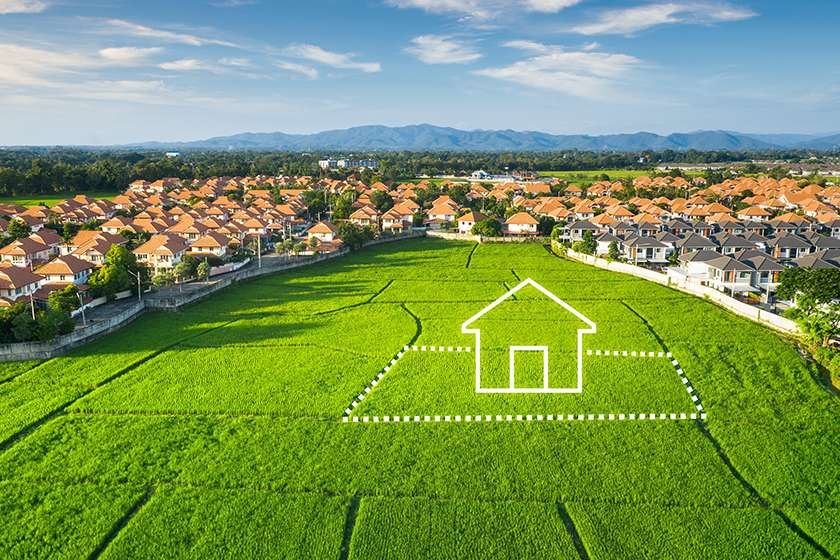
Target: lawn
(51, 199)
(223, 430)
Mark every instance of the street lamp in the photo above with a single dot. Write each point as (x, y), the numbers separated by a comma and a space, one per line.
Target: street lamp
(82, 308)
(139, 289)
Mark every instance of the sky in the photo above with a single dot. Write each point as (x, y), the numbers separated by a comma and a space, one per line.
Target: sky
(120, 71)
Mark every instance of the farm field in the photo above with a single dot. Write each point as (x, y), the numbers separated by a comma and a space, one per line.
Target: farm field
(229, 430)
(51, 198)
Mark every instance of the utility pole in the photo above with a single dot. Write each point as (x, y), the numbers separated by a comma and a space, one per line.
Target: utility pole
(32, 305)
(259, 250)
(82, 308)
(139, 289)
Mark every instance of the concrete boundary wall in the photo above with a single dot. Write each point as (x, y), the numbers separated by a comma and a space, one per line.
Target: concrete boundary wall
(694, 288)
(61, 344)
(82, 335)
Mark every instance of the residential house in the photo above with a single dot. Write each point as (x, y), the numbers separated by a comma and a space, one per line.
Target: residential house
(162, 252)
(468, 220)
(521, 223)
(66, 270)
(17, 282)
(647, 250)
(25, 252)
(212, 243)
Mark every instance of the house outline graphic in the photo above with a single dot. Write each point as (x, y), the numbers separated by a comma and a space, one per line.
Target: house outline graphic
(465, 329)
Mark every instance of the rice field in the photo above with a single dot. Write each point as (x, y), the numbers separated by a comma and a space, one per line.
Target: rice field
(222, 430)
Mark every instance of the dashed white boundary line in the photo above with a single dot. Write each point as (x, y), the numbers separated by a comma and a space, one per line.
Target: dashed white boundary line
(526, 418)
(375, 381)
(673, 416)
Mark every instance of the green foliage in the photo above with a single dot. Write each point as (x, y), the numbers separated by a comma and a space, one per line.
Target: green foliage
(354, 236)
(587, 246)
(612, 251)
(65, 300)
(487, 228)
(163, 279)
(116, 276)
(381, 200)
(18, 229)
(203, 270)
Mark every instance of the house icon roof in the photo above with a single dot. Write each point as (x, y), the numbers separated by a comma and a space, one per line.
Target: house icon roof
(468, 328)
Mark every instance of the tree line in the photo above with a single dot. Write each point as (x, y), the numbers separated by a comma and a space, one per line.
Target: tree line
(36, 171)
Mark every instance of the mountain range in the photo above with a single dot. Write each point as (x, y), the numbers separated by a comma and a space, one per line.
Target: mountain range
(425, 137)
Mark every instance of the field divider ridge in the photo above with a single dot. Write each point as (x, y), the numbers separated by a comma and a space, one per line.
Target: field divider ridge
(31, 427)
(122, 522)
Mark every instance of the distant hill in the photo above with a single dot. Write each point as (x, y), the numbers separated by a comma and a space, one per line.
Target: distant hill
(426, 137)
(827, 143)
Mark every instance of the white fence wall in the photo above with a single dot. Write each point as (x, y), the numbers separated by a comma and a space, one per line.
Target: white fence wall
(693, 287)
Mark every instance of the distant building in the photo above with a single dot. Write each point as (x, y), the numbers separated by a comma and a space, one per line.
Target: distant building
(349, 164)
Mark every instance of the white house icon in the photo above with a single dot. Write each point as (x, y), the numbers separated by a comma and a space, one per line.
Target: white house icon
(513, 350)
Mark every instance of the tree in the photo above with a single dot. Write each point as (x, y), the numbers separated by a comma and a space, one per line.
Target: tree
(298, 248)
(203, 269)
(557, 232)
(382, 201)
(817, 297)
(546, 225)
(52, 323)
(612, 252)
(343, 207)
(24, 327)
(313, 243)
(18, 229)
(354, 236)
(487, 228)
(163, 279)
(68, 231)
(65, 300)
(674, 258)
(588, 246)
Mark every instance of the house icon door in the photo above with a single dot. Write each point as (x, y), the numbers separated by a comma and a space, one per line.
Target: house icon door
(522, 349)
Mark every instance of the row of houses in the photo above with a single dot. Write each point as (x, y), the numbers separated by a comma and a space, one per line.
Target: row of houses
(788, 222)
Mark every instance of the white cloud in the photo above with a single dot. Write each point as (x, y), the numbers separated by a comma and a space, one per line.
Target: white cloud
(184, 65)
(236, 62)
(27, 66)
(549, 6)
(22, 6)
(631, 20)
(440, 49)
(586, 74)
(301, 69)
(484, 9)
(233, 3)
(123, 27)
(345, 61)
(128, 55)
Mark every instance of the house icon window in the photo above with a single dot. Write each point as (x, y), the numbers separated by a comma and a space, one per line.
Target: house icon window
(515, 352)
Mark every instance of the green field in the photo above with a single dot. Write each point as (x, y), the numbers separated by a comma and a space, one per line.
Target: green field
(51, 198)
(222, 431)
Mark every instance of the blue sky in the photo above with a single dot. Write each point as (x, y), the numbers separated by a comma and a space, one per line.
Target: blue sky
(109, 71)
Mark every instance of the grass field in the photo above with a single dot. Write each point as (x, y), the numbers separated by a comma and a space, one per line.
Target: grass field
(222, 431)
(51, 198)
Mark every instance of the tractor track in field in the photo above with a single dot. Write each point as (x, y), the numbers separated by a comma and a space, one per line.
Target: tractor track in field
(762, 502)
(349, 526)
(355, 305)
(10, 441)
(470, 256)
(121, 523)
(27, 370)
(572, 530)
